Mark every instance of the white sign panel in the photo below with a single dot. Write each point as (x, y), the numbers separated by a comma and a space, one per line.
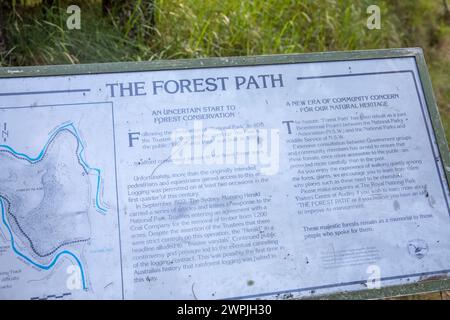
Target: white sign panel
(269, 181)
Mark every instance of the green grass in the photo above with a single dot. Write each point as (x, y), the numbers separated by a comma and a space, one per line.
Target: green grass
(198, 28)
(226, 28)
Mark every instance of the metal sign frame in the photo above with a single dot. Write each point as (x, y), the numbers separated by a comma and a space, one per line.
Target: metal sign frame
(431, 284)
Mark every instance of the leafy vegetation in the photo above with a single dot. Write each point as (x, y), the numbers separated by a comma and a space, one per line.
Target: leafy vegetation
(171, 29)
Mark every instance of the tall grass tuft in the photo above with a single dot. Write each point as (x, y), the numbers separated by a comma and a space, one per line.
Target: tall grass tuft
(170, 29)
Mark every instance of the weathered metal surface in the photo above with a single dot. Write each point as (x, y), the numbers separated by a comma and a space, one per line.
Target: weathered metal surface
(427, 284)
